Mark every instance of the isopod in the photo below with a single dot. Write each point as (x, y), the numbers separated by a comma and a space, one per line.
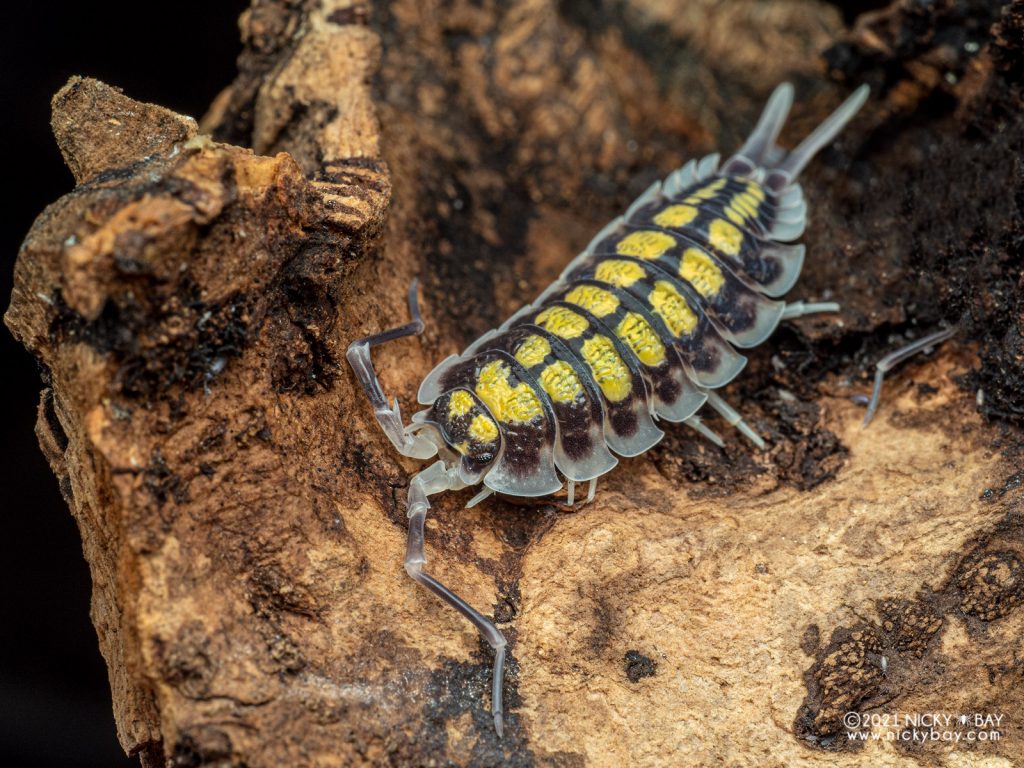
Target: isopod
(644, 325)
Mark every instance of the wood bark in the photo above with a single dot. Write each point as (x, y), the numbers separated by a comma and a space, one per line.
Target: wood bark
(190, 302)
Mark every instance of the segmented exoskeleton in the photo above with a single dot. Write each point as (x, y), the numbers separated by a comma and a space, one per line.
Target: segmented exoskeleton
(642, 326)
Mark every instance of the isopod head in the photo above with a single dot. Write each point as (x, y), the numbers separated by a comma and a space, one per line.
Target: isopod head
(464, 431)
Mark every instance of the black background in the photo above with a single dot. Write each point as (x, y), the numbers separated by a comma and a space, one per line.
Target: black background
(55, 707)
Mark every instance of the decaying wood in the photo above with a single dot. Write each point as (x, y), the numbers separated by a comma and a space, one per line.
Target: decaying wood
(242, 515)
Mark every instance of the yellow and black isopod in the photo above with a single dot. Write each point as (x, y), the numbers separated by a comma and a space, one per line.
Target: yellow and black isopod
(642, 326)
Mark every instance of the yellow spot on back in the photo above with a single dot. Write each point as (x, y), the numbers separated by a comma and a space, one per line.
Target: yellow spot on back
(725, 237)
(642, 339)
(561, 382)
(610, 372)
(645, 244)
(483, 429)
(735, 216)
(533, 351)
(460, 403)
(507, 403)
(562, 322)
(707, 191)
(462, 447)
(621, 274)
(700, 271)
(595, 300)
(746, 203)
(676, 216)
(754, 190)
(671, 307)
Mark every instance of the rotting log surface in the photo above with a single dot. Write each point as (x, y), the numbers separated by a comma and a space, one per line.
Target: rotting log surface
(242, 515)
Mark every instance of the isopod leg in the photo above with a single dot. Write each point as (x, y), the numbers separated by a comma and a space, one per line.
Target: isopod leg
(435, 479)
(389, 417)
(695, 423)
(732, 416)
(797, 309)
(481, 495)
(893, 359)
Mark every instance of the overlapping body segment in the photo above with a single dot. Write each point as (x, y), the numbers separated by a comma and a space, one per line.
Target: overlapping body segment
(675, 397)
(740, 200)
(742, 224)
(674, 311)
(601, 357)
(581, 452)
(744, 314)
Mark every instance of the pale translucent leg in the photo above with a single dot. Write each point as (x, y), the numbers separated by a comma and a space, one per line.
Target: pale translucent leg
(732, 416)
(695, 423)
(389, 417)
(799, 309)
(896, 357)
(483, 494)
(572, 493)
(435, 479)
(592, 490)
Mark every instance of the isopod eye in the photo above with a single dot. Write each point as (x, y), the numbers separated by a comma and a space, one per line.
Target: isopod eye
(468, 429)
